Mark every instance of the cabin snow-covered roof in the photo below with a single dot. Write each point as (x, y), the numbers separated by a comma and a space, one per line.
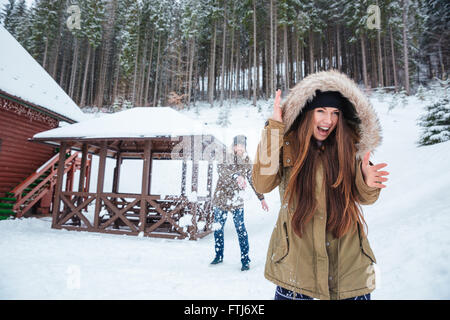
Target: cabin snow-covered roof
(139, 122)
(21, 76)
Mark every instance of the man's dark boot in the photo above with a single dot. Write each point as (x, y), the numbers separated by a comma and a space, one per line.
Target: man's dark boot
(217, 260)
(245, 266)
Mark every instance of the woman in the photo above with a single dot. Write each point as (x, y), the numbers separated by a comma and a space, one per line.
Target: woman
(319, 144)
(227, 198)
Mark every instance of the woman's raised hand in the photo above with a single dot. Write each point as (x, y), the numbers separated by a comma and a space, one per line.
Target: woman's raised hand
(373, 177)
(277, 108)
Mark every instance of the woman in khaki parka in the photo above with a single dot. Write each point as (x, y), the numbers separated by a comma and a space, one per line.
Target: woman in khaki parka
(316, 149)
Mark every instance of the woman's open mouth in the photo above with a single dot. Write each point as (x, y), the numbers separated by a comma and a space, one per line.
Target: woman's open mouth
(323, 131)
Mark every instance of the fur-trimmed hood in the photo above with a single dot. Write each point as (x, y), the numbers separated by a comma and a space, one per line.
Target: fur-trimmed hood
(334, 80)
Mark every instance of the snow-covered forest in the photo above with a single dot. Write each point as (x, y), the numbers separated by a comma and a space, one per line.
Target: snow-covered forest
(117, 53)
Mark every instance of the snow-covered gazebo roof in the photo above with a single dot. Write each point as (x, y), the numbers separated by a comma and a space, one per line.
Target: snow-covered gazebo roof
(127, 130)
(23, 78)
(139, 122)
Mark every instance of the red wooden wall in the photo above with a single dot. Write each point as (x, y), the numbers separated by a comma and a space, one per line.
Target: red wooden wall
(18, 157)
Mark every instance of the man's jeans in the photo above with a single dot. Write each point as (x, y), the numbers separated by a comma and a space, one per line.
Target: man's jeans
(220, 216)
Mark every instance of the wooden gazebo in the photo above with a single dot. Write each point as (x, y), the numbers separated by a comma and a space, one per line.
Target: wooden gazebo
(138, 133)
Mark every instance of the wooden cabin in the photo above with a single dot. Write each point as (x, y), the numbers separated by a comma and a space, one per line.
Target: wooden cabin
(145, 135)
(30, 102)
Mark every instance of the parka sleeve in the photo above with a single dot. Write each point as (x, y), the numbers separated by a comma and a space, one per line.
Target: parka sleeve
(248, 175)
(266, 173)
(367, 195)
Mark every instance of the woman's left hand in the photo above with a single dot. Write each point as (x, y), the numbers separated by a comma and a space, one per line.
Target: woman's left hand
(373, 177)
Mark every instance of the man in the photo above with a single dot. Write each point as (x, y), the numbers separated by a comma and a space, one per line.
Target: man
(227, 197)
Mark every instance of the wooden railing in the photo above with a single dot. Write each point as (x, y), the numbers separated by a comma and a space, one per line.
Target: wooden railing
(135, 214)
(25, 201)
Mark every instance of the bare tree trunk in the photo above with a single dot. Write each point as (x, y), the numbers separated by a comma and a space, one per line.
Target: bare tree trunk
(364, 64)
(385, 65)
(311, 51)
(394, 68)
(355, 62)
(62, 75)
(155, 104)
(441, 61)
(330, 49)
(275, 49)
(222, 71)
(136, 67)
(238, 70)
(44, 59)
(297, 57)
(191, 65)
(92, 82)
(147, 86)
(116, 81)
(380, 61)
(285, 59)
(108, 27)
(338, 44)
(374, 72)
(74, 68)
(249, 74)
(142, 76)
(56, 51)
(271, 62)
(212, 63)
(85, 77)
(230, 88)
(405, 45)
(255, 61)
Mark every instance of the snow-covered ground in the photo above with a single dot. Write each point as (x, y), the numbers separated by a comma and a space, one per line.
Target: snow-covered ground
(408, 232)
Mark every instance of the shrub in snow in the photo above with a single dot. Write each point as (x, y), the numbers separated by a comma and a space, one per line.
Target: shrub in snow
(223, 118)
(398, 98)
(420, 94)
(120, 104)
(436, 122)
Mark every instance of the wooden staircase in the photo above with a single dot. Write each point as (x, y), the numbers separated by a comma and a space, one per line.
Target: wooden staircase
(39, 186)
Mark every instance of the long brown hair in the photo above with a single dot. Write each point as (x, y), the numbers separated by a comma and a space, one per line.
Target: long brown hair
(338, 157)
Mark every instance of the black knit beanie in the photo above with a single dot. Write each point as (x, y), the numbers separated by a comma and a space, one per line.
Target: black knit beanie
(327, 99)
(333, 99)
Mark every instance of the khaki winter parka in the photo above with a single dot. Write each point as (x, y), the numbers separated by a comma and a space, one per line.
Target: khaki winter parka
(318, 264)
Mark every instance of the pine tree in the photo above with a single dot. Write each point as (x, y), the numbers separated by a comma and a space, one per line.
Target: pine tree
(44, 28)
(7, 16)
(436, 122)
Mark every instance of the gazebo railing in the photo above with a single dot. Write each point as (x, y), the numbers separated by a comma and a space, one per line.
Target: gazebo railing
(122, 213)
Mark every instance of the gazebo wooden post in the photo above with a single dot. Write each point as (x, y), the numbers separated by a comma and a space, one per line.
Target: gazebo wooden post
(100, 183)
(194, 187)
(116, 177)
(116, 181)
(209, 180)
(88, 175)
(59, 183)
(183, 177)
(145, 183)
(81, 181)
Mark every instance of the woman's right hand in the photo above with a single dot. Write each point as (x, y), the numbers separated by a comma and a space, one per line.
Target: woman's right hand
(277, 108)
